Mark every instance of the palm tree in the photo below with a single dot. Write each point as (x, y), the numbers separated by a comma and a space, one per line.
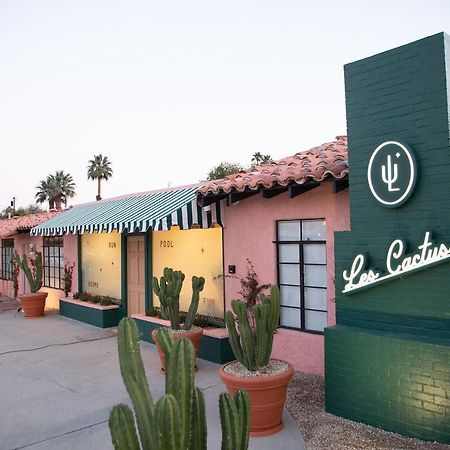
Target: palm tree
(99, 168)
(56, 189)
(258, 158)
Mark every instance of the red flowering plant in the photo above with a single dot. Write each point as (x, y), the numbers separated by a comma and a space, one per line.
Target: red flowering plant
(68, 274)
(250, 288)
(15, 277)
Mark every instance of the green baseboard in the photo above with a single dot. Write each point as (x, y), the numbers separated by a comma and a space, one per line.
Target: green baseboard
(103, 318)
(217, 350)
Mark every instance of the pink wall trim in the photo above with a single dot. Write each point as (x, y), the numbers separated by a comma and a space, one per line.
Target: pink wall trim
(250, 232)
(22, 242)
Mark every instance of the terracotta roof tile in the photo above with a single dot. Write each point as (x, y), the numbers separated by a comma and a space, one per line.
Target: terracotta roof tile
(317, 164)
(9, 227)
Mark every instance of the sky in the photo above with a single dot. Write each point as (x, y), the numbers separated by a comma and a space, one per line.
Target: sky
(169, 89)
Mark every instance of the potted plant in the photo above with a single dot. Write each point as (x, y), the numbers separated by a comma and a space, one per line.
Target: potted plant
(264, 379)
(168, 289)
(33, 303)
(177, 421)
(68, 274)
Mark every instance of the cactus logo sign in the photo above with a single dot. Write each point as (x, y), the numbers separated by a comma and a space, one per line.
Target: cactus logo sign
(392, 173)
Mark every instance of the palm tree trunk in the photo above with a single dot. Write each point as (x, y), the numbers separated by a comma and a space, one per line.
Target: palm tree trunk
(99, 180)
(58, 202)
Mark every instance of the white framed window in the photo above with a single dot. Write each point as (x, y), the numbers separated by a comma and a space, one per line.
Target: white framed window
(302, 274)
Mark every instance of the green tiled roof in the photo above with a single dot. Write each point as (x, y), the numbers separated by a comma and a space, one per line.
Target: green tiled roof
(156, 210)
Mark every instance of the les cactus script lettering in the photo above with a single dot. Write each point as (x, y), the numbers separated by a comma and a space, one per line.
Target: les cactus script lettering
(397, 264)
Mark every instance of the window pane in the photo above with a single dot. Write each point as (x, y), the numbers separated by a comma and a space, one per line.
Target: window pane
(289, 230)
(289, 253)
(290, 296)
(315, 320)
(315, 276)
(316, 298)
(315, 253)
(290, 274)
(290, 317)
(313, 230)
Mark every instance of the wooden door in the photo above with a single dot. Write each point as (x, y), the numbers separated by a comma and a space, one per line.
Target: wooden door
(136, 274)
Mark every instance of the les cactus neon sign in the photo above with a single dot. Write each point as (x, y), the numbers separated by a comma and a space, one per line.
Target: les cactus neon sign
(397, 264)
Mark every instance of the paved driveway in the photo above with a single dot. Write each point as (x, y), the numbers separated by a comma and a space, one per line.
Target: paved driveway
(60, 378)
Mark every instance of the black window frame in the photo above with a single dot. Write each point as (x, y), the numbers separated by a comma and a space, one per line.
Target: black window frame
(7, 250)
(57, 243)
(301, 264)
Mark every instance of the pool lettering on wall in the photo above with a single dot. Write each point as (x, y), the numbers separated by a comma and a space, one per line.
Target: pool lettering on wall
(397, 264)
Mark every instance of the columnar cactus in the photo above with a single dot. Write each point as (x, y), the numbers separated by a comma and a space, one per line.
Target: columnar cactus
(177, 421)
(168, 289)
(198, 283)
(252, 347)
(34, 275)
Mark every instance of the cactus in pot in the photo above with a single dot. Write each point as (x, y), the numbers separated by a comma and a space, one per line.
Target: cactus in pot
(33, 274)
(177, 421)
(168, 289)
(33, 304)
(265, 380)
(252, 347)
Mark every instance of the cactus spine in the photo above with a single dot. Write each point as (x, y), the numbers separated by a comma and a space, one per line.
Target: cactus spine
(253, 347)
(178, 419)
(168, 289)
(34, 276)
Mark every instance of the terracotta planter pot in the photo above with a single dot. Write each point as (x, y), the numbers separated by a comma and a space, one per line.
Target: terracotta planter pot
(33, 304)
(194, 335)
(267, 398)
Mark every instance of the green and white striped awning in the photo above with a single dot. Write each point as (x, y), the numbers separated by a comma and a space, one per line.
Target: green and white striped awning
(134, 213)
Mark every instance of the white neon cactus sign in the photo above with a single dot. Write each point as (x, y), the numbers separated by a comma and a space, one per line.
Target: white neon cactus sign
(389, 174)
(397, 264)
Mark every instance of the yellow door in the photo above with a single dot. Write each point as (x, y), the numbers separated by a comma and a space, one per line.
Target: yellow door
(136, 275)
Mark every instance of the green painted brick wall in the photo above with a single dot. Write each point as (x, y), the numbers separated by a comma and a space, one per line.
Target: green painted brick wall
(400, 95)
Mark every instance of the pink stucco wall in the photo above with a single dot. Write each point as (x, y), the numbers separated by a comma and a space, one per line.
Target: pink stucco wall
(22, 243)
(250, 232)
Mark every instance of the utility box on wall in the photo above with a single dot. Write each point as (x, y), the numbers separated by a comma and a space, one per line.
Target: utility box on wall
(387, 361)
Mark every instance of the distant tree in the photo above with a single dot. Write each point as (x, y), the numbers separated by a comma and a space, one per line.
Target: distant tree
(55, 189)
(258, 158)
(21, 211)
(222, 170)
(99, 169)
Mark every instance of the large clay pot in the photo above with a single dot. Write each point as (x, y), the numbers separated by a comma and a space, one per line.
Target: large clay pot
(194, 335)
(267, 398)
(33, 304)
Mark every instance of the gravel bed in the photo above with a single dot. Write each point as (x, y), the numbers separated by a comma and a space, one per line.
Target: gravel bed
(193, 328)
(323, 431)
(273, 368)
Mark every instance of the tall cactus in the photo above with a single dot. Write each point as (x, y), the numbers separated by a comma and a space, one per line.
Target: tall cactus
(252, 347)
(34, 275)
(198, 283)
(178, 419)
(168, 289)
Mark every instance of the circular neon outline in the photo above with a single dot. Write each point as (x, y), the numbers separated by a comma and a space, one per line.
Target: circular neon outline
(412, 178)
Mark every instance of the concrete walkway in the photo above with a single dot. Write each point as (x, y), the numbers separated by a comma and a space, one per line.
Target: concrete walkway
(60, 378)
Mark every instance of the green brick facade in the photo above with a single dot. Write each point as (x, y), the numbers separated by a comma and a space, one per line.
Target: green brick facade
(387, 361)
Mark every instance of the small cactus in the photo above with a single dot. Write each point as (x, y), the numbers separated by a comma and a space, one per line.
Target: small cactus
(252, 347)
(34, 275)
(178, 419)
(168, 289)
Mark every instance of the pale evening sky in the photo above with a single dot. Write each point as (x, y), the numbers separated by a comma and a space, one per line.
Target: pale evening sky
(168, 89)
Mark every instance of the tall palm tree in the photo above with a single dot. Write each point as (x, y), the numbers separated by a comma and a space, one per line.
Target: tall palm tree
(56, 189)
(259, 158)
(99, 168)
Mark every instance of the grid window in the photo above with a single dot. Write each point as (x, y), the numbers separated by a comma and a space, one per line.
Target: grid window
(7, 255)
(53, 256)
(302, 274)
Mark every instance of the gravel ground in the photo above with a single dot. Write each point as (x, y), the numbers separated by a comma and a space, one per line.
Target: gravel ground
(323, 431)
